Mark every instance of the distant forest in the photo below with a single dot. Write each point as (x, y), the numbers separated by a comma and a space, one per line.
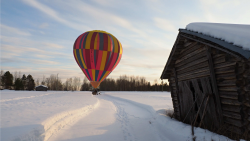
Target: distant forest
(19, 81)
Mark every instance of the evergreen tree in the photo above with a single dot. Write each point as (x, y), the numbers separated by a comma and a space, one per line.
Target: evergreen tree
(18, 84)
(7, 79)
(30, 83)
(24, 81)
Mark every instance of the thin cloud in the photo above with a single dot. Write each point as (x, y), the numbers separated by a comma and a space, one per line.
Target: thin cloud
(7, 30)
(53, 14)
(44, 25)
(165, 24)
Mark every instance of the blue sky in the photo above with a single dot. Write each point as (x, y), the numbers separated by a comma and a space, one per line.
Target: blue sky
(37, 37)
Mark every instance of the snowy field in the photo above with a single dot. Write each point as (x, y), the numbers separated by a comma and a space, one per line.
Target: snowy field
(80, 116)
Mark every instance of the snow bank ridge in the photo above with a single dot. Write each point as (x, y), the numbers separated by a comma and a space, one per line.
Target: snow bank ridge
(19, 98)
(55, 123)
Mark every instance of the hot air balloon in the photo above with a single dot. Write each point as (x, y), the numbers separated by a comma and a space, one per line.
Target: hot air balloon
(97, 53)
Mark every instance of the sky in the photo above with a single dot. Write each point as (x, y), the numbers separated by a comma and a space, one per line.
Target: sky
(37, 37)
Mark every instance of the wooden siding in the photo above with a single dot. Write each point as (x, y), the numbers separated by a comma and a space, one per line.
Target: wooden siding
(231, 76)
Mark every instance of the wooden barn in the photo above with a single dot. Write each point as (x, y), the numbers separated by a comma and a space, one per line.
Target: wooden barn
(210, 82)
(41, 88)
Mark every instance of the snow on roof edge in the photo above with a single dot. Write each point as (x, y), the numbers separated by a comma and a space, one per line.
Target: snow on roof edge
(237, 34)
(222, 43)
(42, 86)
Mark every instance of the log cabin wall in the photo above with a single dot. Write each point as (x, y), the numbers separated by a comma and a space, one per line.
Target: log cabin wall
(229, 72)
(232, 76)
(189, 63)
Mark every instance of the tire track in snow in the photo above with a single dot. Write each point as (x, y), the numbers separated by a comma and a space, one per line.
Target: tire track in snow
(54, 124)
(19, 98)
(147, 119)
(125, 125)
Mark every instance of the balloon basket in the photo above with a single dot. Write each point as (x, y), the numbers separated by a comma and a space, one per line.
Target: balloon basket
(95, 92)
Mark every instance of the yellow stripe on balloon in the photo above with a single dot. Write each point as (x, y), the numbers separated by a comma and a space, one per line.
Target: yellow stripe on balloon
(105, 75)
(120, 48)
(115, 44)
(81, 56)
(104, 56)
(76, 57)
(88, 40)
(93, 74)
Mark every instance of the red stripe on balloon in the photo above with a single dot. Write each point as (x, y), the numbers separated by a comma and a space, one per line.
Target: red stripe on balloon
(106, 61)
(99, 75)
(86, 57)
(98, 41)
(117, 62)
(92, 41)
(99, 59)
(112, 61)
(90, 73)
(77, 43)
(76, 58)
(105, 42)
(86, 74)
(92, 64)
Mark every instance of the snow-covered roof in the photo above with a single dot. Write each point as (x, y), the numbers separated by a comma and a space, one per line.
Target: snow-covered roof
(237, 34)
(42, 86)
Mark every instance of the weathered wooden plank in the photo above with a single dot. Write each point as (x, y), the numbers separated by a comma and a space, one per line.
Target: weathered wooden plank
(227, 83)
(202, 70)
(190, 43)
(191, 64)
(223, 65)
(186, 99)
(207, 88)
(194, 76)
(220, 59)
(232, 108)
(195, 67)
(177, 92)
(214, 85)
(230, 69)
(226, 76)
(215, 56)
(232, 115)
(234, 129)
(230, 88)
(230, 102)
(229, 96)
(187, 49)
(228, 93)
(190, 57)
(232, 121)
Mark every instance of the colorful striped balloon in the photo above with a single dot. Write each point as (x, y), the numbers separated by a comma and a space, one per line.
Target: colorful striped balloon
(97, 53)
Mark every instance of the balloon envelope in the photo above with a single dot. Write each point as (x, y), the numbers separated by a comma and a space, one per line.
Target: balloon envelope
(97, 53)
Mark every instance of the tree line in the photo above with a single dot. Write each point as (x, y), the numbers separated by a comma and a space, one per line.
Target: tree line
(19, 81)
(132, 83)
(8, 81)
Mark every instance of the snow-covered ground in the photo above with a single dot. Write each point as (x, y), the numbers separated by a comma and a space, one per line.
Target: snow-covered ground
(78, 116)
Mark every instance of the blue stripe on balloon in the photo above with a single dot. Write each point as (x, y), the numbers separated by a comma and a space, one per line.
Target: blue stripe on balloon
(79, 58)
(96, 74)
(101, 41)
(88, 73)
(95, 58)
(102, 74)
(84, 42)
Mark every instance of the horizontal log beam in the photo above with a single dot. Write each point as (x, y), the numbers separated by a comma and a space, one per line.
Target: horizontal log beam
(195, 67)
(231, 108)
